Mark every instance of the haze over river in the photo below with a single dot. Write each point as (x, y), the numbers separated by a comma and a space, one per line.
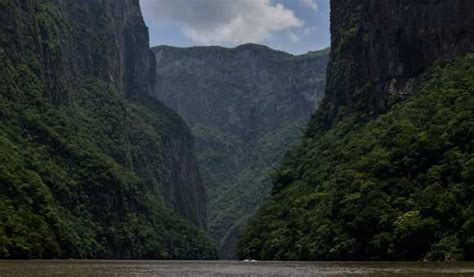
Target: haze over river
(229, 268)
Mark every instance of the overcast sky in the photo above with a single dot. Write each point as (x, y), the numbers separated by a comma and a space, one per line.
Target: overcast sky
(294, 26)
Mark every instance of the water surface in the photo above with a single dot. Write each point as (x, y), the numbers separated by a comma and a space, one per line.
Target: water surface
(229, 268)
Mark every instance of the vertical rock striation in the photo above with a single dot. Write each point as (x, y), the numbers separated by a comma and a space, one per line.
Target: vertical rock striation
(111, 43)
(246, 107)
(379, 48)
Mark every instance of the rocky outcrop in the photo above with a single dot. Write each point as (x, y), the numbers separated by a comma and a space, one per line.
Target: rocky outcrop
(112, 172)
(112, 41)
(379, 48)
(246, 107)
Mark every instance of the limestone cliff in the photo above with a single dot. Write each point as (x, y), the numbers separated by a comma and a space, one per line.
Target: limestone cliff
(246, 106)
(379, 48)
(92, 166)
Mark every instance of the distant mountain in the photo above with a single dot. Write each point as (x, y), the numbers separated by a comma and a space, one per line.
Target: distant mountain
(246, 106)
(385, 170)
(91, 166)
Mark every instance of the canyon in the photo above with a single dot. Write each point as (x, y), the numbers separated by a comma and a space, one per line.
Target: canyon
(246, 106)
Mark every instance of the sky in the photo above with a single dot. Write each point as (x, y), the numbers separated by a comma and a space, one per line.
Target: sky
(294, 26)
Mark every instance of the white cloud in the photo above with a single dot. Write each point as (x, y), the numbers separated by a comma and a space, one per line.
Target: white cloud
(309, 4)
(229, 22)
(309, 30)
(293, 37)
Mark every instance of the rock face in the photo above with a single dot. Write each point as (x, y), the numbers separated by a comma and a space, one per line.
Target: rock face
(121, 55)
(114, 46)
(250, 89)
(384, 168)
(94, 165)
(380, 47)
(246, 107)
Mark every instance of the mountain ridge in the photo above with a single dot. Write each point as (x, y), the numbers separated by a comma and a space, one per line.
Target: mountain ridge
(245, 106)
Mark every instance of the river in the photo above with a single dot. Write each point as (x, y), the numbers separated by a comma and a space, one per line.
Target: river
(229, 268)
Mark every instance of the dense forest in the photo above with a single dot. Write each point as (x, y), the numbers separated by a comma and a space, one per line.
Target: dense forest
(86, 155)
(398, 187)
(385, 169)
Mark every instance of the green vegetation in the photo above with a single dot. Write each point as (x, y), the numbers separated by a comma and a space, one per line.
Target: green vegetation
(398, 187)
(233, 202)
(63, 195)
(246, 107)
(71, 171)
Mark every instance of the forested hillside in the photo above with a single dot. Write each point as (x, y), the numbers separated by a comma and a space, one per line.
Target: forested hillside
(90, 165)
(385, 170)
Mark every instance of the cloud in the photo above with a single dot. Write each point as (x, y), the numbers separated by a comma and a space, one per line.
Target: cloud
(309, 4)
(293, 37)
(309, 30)
(228, 22)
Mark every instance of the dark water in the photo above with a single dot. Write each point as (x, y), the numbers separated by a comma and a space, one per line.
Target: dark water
(225, 268)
